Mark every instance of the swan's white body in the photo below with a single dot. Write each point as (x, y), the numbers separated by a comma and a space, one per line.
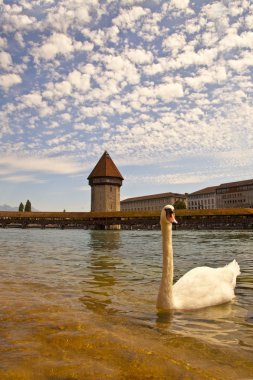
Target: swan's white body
(200, 287)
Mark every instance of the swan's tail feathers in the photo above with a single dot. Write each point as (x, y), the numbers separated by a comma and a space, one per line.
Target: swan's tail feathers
(234, 266)
(232, 270)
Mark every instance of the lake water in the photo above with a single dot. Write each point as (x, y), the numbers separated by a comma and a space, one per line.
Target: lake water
(79, 304)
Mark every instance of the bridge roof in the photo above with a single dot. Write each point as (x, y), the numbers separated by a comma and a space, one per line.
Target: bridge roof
(105, 168)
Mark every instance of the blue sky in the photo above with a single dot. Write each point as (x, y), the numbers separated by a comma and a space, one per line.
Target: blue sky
(164, 86)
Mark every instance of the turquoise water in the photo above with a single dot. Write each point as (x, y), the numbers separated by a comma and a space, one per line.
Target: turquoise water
(114, 276)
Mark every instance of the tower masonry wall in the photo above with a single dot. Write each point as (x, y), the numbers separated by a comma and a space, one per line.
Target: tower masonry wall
(105, 198)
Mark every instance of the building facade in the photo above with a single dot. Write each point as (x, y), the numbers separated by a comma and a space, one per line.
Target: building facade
(227, 195)
(151, 202)
(202, 199)
(105, 181)
(235, 194)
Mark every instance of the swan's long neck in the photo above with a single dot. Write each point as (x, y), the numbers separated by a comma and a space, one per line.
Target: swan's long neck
(165, 296)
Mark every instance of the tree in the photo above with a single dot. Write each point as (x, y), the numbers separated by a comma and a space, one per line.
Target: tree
(28, 206)
(21, 207)
(179, 205)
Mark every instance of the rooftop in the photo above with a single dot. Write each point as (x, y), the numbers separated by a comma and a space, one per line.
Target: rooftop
(238, 183)
(154, 196)
(105, 168)
(206, 190)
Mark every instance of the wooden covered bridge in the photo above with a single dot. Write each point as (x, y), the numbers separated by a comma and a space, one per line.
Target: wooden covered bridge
(239, 218)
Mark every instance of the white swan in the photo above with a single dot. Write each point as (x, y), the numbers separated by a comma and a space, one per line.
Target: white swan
(198, 288)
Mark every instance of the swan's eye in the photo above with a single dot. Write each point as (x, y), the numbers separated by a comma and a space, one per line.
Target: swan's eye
(169, 211)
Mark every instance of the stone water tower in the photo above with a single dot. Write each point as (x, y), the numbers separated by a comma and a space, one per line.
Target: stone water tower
(105, 181)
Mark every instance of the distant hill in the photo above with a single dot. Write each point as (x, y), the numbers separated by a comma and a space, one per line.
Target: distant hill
(11, 208)
(8, 208)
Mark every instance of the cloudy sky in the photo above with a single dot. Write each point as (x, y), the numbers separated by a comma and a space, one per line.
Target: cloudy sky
(164, 86)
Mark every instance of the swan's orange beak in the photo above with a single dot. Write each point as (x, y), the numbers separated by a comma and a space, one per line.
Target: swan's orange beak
(170, 215)
(173, 219)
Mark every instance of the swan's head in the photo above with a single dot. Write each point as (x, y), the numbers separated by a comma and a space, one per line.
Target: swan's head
(168, 215)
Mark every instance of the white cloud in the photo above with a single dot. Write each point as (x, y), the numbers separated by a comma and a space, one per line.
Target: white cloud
(112, 34)
(22, 178)
(210, 39)
(13, 9)
(9, 80)
(215, 75)
(87, 46)
(242, 63)
(84, 127)
(121, 69)
(202, 57)
(3, 42)
(19, 38)
(59, 140)
(57, 90)
(32, 100)
(64, 14)
(249, 21)
(188, 57)
(14, 22)
(172, 179)
(60, 104)
(215, 11)
(169, 91)
(174, 42)
(66, 116)
(83, 188)
(150, 29)
(139, 56)
(119, 108)
(127, 18)
(101, 37)
(59, 165)
(53, 125)
(80, 81)
(180, 4)
(132, 2)
(91, 111)
(233, 40)
(56, 44)
(82, 14)
(192, 26)
(156, 68)
(5, 60)
(35, 100)
(89, 69)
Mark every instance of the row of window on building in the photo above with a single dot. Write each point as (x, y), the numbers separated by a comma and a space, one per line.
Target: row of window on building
(226, 195)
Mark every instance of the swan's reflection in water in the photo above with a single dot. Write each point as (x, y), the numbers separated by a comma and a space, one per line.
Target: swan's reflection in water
(249, 317)
(216, 324)
(164, 319)
(102, 268)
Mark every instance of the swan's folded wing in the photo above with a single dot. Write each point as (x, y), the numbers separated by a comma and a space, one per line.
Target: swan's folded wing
(202, 287)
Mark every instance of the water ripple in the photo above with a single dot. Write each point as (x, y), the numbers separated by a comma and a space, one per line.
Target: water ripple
(118, 273)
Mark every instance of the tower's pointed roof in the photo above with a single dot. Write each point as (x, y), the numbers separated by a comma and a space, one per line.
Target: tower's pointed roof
(105, 168)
